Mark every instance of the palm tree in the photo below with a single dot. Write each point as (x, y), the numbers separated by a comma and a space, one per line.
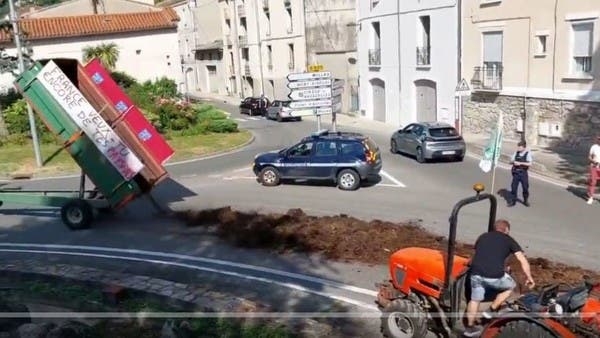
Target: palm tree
(107, 53)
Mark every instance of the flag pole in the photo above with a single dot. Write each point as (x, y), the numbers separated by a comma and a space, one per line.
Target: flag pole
(498, 139)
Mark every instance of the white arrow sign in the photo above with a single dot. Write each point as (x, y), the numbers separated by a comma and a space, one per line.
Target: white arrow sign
(337, 107)
(310, 112)
(338, 84)
(308, 76)
(310, 94)
(310, 104)
(337, 92)
(309, 84)
(324, 111)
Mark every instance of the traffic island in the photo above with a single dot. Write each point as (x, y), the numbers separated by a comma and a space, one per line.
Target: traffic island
(349, 239)
(28, 286)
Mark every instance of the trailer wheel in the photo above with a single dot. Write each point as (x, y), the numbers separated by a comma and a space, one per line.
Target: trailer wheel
(77, 214)
(402, 318)
(524, 329)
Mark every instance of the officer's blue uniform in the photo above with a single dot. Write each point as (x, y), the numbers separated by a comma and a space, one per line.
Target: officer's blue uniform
(520, 175)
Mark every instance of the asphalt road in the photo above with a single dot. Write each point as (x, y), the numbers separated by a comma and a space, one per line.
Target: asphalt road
(558, 225)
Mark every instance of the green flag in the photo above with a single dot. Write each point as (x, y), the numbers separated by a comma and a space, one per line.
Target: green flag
(491, 153)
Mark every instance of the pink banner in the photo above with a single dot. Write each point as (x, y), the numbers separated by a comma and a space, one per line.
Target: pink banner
(153, 142)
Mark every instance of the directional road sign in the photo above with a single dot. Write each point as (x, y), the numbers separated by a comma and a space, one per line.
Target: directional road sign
(308, 76)
(311, 112)
(309, 84)
(310, 104)
(336, 107)
(310, 94)
(337, 92)
(338, 84)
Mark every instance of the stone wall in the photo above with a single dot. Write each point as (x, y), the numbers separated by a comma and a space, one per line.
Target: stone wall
(578, 121)
(481, 112)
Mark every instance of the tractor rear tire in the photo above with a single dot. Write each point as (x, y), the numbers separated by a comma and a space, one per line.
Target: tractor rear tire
(403, 318)
(524, 329)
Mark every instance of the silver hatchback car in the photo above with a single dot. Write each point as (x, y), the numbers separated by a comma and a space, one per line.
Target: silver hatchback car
(429, 140)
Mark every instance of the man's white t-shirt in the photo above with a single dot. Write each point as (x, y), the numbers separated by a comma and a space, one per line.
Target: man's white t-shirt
(595, 150)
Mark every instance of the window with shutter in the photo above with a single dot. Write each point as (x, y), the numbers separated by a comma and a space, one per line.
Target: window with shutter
(582, 48)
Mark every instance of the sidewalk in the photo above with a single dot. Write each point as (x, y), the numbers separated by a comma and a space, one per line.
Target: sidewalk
(233, 100)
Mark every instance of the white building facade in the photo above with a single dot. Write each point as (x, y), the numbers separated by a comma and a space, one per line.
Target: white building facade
(408, 60)
(201, 46)
(264, 41)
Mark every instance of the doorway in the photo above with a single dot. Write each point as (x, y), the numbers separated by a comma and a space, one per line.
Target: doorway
(378, 90)
(426, 100)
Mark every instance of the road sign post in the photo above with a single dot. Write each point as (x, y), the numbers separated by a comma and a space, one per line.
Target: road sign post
(462, 89)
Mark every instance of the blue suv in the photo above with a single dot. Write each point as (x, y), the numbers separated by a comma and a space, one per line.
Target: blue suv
(345, 158)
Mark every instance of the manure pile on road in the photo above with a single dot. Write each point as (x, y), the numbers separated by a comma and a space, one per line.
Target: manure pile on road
(349, 239)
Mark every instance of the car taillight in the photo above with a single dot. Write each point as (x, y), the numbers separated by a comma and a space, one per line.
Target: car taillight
(371, 156)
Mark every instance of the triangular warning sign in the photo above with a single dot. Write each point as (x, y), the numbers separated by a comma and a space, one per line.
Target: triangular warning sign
(462, 86)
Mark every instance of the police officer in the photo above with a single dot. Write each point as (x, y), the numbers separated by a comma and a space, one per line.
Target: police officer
(521, 160)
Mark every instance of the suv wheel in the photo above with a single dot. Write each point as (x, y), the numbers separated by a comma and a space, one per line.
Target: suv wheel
(269, 177)
(348, 179)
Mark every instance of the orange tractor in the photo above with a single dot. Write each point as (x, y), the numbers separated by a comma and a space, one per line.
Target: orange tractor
(423, 295)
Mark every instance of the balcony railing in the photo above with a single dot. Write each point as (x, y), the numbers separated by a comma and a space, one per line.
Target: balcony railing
(488, 77)
(241, 11)
(374, 57)
(247, 70)
(423, 56)
(243, 40)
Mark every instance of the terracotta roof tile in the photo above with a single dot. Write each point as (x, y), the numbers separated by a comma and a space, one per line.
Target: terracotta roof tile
(99, 24)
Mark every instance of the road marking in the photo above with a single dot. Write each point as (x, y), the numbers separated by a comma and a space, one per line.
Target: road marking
(307, 278)
(388, 185)
(200, 268)
(255, 118)
(231, 178)
(393, 179)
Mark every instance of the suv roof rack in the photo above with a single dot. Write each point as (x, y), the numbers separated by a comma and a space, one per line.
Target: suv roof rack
(327, 132)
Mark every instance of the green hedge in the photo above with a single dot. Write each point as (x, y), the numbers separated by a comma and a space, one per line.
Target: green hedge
(158, 101)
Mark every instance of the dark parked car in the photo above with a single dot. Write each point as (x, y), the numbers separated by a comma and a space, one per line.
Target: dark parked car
(253, 106)
(429, 140)
(347, 159)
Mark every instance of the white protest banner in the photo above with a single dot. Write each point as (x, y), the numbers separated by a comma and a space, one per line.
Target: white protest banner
(88, 119)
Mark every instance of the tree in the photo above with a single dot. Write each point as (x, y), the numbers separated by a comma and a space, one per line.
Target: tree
(107, 53)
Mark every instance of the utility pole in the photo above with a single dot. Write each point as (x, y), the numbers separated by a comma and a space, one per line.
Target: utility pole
(21, 63)
(235, 41)
(259, 43)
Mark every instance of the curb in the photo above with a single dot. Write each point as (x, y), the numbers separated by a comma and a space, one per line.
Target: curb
(182, 295)
(7, 180)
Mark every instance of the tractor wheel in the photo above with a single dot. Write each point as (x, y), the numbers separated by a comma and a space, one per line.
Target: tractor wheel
(524, 329)
(77, 214)
(403, 318)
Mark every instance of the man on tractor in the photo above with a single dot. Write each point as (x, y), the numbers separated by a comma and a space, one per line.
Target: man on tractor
(488, 272)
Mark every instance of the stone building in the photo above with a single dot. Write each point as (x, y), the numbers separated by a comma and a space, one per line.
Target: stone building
(538, 62)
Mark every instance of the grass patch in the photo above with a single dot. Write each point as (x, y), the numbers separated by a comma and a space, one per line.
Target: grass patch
(200, 145)
(16, 159)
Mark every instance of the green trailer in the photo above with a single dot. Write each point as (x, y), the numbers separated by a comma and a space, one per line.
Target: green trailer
(112, 190)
